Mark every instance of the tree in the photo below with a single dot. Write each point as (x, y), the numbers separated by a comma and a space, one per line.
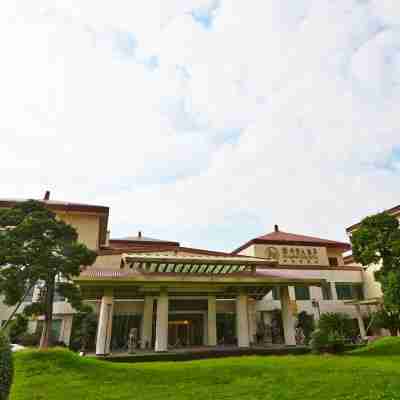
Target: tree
(377, 241)
(38, 249)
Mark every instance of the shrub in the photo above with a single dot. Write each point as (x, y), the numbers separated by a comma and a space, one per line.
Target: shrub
(18, 326)
(335, 343)
(6, 367)
(29, 339)
(319, 340)
(324, 342)
(339, 324)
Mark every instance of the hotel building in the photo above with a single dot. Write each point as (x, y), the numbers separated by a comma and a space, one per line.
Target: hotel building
(174, 296)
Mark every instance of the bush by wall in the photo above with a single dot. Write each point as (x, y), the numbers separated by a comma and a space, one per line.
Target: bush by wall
(339, 324)
(29, 339)
(6, 367)
(324, 342)
(17, 327)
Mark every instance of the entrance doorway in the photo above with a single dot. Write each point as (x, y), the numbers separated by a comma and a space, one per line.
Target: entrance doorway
(226, 328)
(185, 330)
(121, 326)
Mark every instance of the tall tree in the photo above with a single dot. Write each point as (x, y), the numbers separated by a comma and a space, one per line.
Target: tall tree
(377, 241)
(38, 249)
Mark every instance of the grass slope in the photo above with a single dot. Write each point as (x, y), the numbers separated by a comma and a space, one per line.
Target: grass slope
(369, 373)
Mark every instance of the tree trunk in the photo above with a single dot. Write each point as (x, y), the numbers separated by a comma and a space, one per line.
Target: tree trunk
(48, 315)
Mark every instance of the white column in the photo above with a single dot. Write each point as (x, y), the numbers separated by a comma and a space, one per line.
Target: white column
(288, 319)
(333, 290)
(242, 320)
(66, 328)
(360, 320)
(212, 321)
(162, 322)
(147, 323)
(252, 315)
(104, 328)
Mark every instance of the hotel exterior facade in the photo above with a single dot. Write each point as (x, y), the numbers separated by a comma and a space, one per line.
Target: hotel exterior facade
(168, 295)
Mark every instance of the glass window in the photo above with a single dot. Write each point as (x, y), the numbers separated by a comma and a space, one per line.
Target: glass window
(56, 329)
(326, 291)
(358, 292)
(276, 293)
(58, 296)
(302, 292)
(333, 261)
(29, 296)
(348, 291)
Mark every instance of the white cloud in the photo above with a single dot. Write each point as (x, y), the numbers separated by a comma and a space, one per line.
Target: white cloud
(130, 105)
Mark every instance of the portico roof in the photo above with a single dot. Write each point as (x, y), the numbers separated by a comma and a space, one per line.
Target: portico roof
(193, 263)
(188, 274)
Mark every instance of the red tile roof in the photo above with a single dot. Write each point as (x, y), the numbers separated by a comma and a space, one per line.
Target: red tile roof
(59, 205)
(285, 238)
(132, 243)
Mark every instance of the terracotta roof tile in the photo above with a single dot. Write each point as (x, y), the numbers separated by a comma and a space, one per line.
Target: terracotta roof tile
(280, 237)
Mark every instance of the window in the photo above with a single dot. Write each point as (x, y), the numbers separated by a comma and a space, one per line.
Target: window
(58, 297)
(349, 291)
(29, 296)
(55, 328)
(276, 295)
(302, 292)
(333, 261)
(344, 291)
(326, 291)
(358, 292)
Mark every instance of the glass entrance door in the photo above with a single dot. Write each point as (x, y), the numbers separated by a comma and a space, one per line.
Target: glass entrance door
(185, 330)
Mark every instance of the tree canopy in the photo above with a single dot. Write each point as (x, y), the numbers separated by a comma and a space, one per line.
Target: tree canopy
(377, 241)
(38, 249)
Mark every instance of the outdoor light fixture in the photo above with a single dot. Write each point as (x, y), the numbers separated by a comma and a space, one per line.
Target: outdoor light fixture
(315, 304)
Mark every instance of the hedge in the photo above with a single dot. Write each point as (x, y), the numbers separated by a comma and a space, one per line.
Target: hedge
(6, 367)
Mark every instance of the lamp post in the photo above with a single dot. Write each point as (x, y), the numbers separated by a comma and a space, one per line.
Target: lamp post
(315, 304)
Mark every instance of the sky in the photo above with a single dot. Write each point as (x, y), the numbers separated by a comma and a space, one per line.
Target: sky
(204, 121)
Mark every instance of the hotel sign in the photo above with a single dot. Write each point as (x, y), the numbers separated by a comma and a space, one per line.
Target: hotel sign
(293, 254)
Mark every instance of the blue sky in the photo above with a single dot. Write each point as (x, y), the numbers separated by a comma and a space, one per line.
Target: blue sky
(204, 121)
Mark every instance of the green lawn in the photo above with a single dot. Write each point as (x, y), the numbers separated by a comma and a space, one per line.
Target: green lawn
(370, 373)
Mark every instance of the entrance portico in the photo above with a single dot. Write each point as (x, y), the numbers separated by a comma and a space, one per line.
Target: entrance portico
(201, 285)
